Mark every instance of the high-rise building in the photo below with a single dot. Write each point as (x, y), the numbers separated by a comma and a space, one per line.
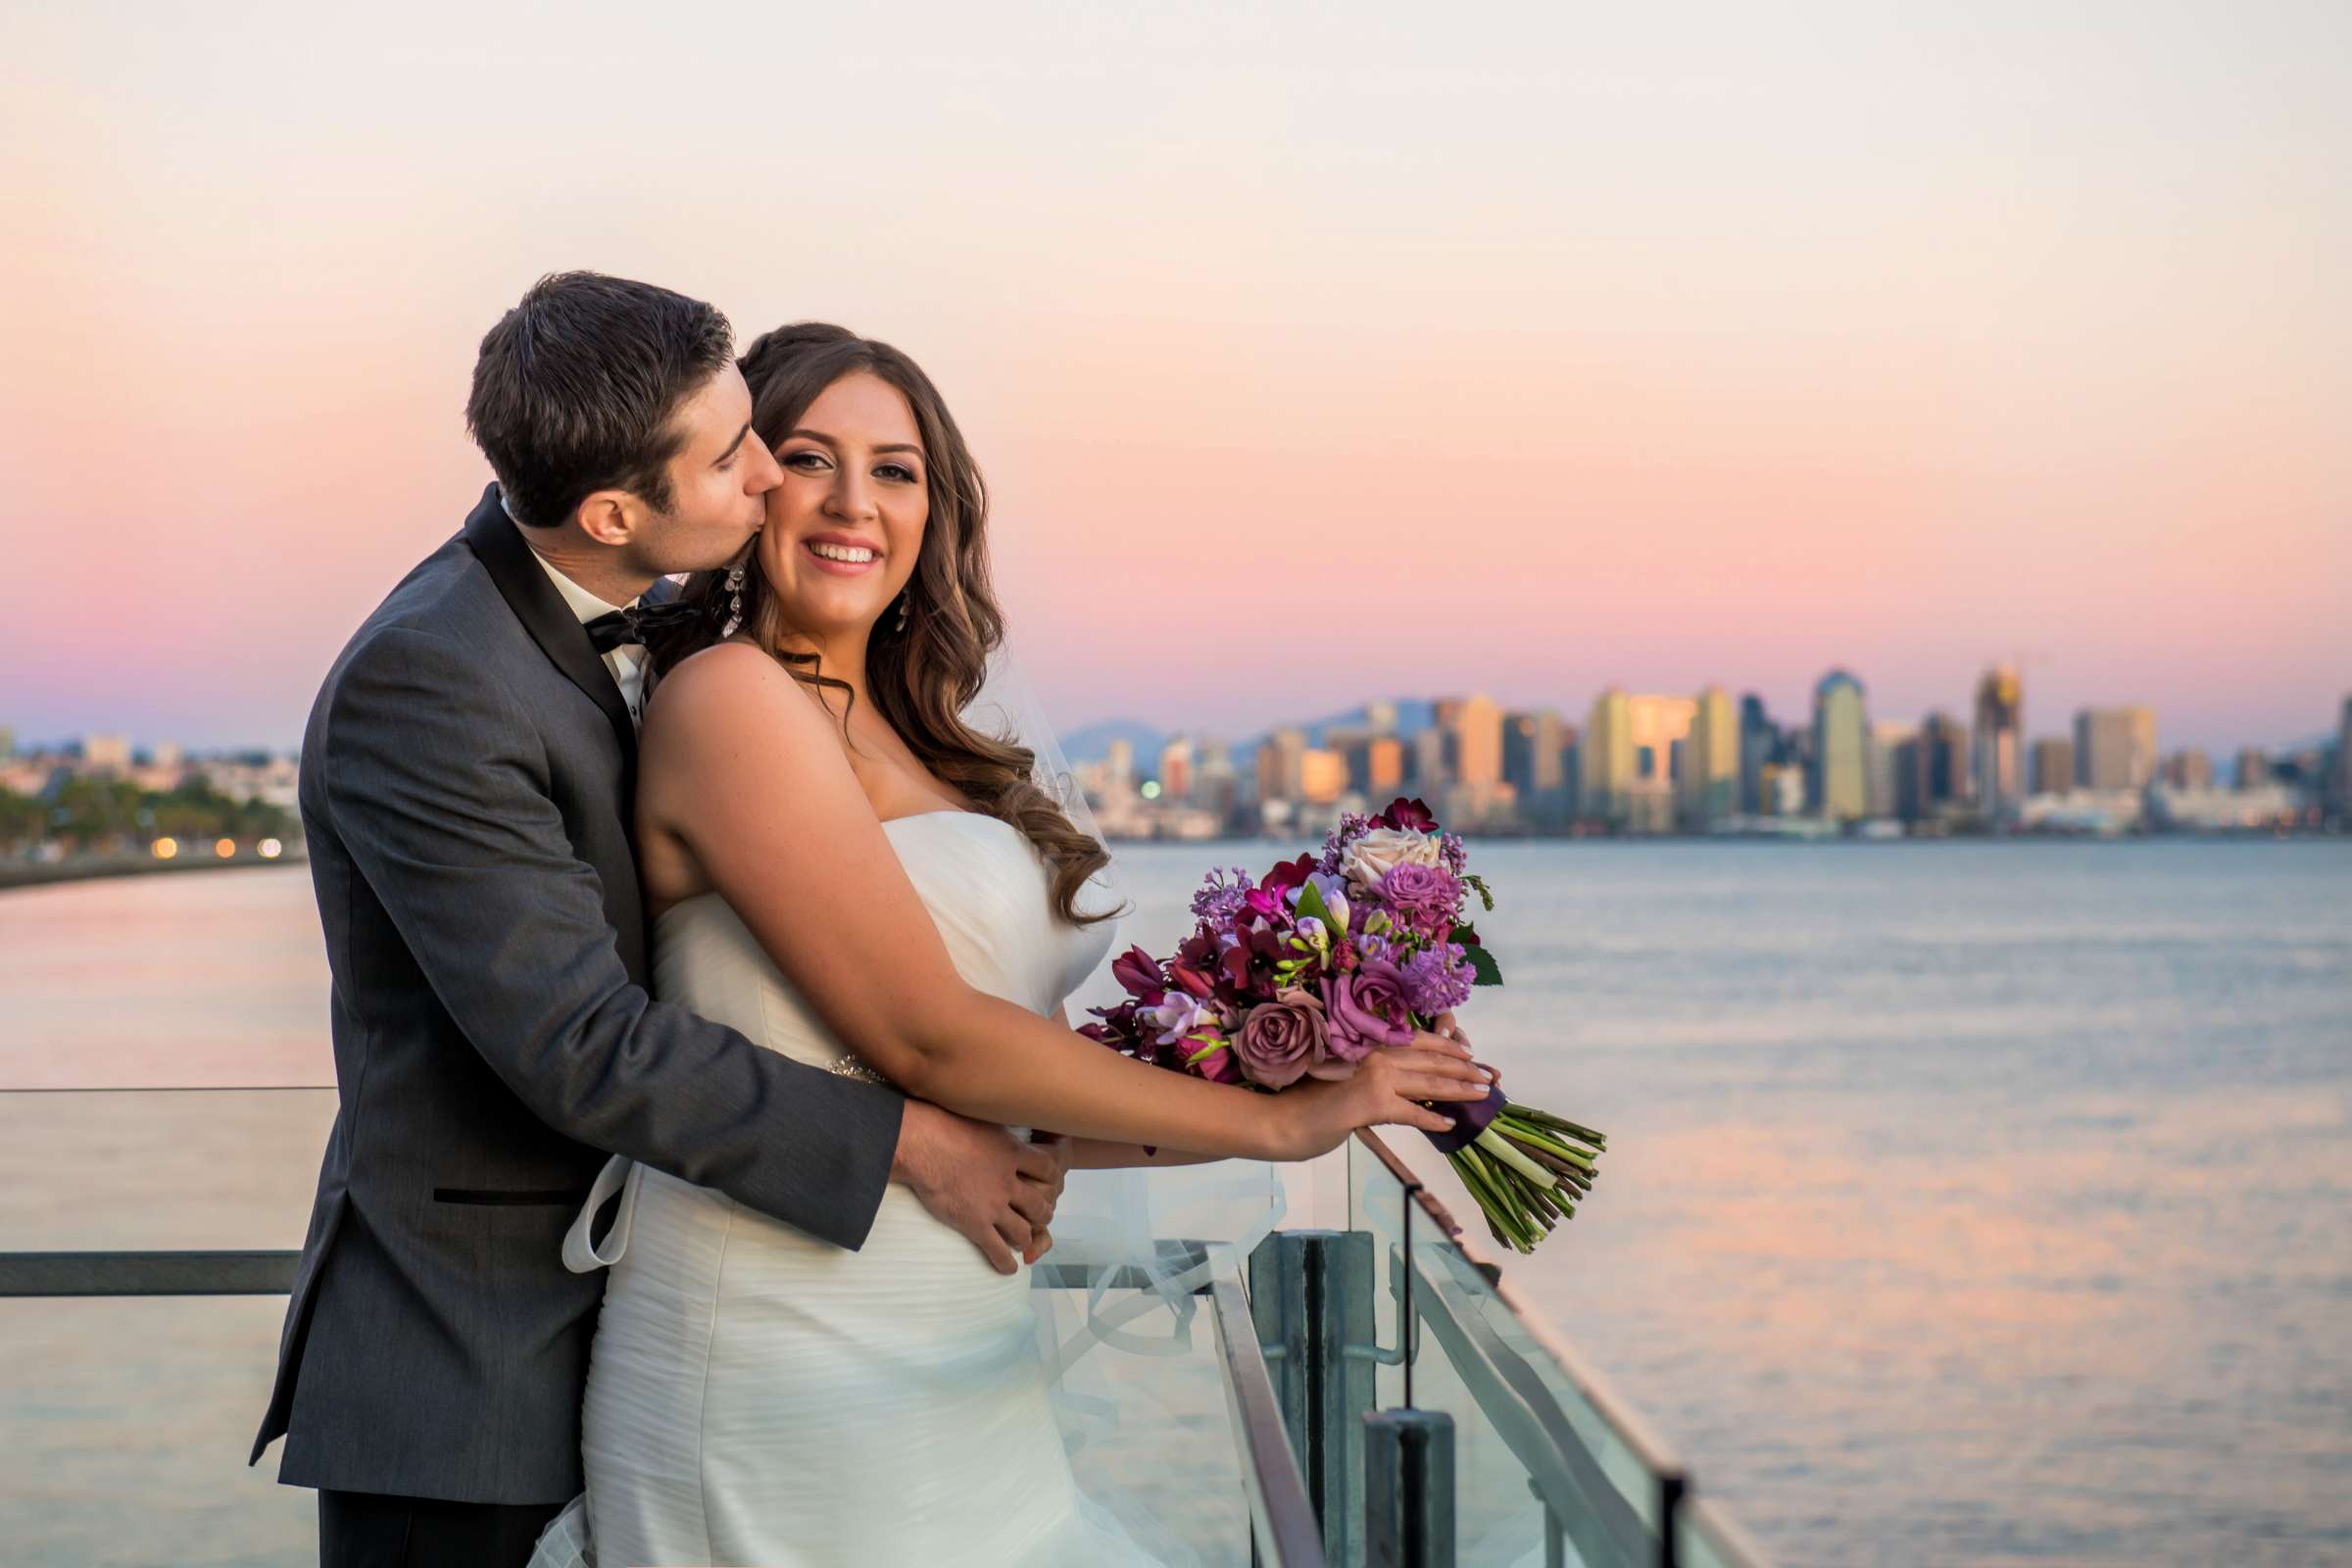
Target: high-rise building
(2114, 748)
(1216, 787)
(1535, 751)
(2252, 769)
(1383, 768)
(1322, 775)
(106, 752)
(1999, 771)
(1658, 726)
(1176, 771)
(1840, 744)
(1709, 786)
(1945, 786)
(1380, 716)
(1606, 755)
(1909, 767)
(1891, 746)
(1279, 758)
(2343, 760)
(1432, 765)
(1474, 727)
(1759, 744)
(2188, 769)
(2053, 765)
(8, 743)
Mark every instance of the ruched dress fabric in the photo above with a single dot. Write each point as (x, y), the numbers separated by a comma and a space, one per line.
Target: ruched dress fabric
(758, 1397)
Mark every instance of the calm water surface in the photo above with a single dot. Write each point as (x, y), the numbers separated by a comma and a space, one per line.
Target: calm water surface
(1966, 1203)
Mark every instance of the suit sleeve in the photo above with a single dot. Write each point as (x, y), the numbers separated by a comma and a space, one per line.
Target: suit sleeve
(436, 784)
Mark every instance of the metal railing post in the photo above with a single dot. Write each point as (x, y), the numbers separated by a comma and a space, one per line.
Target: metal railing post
(1408, 1488)
(1311, 1294)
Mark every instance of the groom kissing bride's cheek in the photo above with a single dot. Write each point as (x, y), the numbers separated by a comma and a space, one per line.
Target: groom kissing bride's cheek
(696, 953)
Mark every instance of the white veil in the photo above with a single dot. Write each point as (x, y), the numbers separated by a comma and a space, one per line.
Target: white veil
(1117, 1278)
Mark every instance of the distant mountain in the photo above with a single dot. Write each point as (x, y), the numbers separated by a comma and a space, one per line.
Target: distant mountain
(1091, 744)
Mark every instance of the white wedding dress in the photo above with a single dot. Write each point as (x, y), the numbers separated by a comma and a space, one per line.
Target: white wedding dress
(758, 1397)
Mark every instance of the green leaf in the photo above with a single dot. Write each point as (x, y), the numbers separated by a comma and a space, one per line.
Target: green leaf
(1466, 935)
(1480, 884)
(1482, 964)
(1311, 902)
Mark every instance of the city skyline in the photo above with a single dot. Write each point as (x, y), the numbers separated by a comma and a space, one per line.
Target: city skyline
(1606, 346)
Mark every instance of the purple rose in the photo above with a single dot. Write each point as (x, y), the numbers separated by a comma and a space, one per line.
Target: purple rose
(1367, 1007)
(1421, 892)
(1282, 1040)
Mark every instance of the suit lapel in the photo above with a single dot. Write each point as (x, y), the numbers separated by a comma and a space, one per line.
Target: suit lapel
(499, 545)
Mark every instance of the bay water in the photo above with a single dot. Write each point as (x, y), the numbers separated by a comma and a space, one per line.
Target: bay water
(1965, 1202)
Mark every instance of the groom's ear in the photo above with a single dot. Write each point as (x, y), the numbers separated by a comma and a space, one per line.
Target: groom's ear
(611, 516)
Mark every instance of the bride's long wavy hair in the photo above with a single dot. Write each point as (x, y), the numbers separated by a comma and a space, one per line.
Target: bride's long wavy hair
(923, 677)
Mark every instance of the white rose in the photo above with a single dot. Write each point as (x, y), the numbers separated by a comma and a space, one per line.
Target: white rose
(1377, 852)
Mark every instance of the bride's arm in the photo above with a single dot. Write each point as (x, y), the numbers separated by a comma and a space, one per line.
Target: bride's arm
(1094, 1153)
(743, 772)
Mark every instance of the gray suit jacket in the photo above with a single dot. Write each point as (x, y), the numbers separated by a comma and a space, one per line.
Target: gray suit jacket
(466, 780)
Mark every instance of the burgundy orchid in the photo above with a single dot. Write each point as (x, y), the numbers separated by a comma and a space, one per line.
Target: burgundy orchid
(1138, 972)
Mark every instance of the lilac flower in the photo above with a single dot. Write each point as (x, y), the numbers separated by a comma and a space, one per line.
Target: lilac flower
(1218, 899)
(1437, 979)
(1367, 1008)
(1451, 850)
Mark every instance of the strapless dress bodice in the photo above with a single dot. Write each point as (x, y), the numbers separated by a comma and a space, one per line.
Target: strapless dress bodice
(988, 892)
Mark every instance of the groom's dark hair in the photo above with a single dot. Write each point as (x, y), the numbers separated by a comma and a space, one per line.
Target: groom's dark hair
(574, 390)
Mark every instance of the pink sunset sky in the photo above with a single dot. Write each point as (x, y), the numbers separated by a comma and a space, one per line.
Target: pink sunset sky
(1313, 352)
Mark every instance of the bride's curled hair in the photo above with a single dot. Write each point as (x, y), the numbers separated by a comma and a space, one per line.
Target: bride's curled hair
(923, 677)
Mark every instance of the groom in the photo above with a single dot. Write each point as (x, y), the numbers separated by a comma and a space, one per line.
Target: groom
(465, 783)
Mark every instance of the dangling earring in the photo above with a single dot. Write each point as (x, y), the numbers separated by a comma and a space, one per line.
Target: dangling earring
(901, 625)
(734, 602)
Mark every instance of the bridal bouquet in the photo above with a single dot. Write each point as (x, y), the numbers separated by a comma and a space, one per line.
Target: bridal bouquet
(1327, 959)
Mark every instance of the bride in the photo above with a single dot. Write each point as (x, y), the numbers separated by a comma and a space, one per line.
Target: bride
(842, 869)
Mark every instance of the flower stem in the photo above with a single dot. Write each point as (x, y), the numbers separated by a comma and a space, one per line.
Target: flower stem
(1500, 1148)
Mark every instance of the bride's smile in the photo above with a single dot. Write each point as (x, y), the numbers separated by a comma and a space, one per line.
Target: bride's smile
(845, 525)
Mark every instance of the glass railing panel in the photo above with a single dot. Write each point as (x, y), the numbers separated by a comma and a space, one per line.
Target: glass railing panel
(159, 1169)
(1520, 1455)
(1531, 1363)
(1376, 1204)
(1548, 1458)
(1153, 1434)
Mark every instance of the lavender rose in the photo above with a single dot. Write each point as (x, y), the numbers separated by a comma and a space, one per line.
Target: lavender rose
(1422, 892)
(1282, 1039)
(1367, 1007)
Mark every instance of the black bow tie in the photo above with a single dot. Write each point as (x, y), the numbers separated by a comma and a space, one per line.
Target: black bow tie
(622, 628)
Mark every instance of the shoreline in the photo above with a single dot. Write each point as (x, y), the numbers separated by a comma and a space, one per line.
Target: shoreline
(35, 875)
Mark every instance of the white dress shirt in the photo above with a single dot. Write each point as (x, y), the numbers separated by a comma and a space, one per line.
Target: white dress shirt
(627, 661)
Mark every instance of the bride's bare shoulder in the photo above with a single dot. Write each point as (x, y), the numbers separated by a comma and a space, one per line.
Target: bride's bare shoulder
(722, 683)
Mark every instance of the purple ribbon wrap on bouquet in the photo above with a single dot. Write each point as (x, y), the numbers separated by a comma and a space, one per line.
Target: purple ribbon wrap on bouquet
(1470, 1118)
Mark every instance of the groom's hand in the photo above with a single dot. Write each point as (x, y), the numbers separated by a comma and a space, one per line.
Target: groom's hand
(973, 1176)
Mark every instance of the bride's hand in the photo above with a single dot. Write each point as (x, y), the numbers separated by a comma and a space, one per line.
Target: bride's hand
(1384, 1090)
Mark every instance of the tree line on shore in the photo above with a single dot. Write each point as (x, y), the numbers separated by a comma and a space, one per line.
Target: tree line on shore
(114, 817)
